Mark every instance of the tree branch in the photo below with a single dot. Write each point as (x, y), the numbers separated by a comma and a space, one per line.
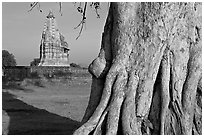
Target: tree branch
(60, 6)
(33, 5)
(96, 5)
(83, 21)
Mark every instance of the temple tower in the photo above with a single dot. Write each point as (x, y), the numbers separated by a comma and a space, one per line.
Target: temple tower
(54, 50)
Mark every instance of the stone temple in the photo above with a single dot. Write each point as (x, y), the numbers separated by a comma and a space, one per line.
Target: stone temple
(54, 50)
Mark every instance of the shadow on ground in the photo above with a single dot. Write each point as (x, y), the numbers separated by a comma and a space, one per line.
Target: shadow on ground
(16, 86)
(21, 84)
(25, 119)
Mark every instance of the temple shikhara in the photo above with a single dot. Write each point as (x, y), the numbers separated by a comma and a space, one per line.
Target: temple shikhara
(54, 50)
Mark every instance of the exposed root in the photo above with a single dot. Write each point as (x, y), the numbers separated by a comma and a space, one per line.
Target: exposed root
(111, 78)
(101, 124)
(189, 93)
(115, 103)
(165, 78)
(129, 121)
(200, 83)
(99, 94)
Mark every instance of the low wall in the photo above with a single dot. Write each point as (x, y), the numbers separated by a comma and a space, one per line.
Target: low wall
(21, 72)
(49, 69)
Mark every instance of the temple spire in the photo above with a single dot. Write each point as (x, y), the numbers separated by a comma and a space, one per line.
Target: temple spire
(54, 50)
(50, 15)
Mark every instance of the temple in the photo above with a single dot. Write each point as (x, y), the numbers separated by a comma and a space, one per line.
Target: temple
(54, 50)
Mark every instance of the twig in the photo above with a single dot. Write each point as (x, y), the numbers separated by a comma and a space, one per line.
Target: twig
(96, 6)
(60, 10)
(39, 7)
(33, 5)
(98, 16)
(80, 31)
(83, 21)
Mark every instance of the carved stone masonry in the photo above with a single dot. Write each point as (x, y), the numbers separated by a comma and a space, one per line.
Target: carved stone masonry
(54, 50)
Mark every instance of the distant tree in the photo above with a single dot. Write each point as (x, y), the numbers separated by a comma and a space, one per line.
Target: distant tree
(8, 59)
(35, 62)
(75, 65)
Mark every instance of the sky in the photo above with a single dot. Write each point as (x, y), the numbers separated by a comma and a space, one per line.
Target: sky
(21, 30)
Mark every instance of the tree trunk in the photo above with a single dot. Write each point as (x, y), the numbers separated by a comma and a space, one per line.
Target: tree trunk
(147, 76)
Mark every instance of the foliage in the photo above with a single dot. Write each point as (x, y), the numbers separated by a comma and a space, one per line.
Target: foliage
(75, 65)
(8, 59)
(35, 62)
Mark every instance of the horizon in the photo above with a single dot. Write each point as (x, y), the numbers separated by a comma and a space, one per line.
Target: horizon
(21, 33)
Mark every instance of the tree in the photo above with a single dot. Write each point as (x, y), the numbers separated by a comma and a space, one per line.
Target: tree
(147, 76)
(35, 62)
(75, 65)
(8, 59)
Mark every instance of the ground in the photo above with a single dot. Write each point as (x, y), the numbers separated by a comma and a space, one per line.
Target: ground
(55, 107)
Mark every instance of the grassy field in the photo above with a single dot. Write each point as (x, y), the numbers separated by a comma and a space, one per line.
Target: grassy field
(49, 107)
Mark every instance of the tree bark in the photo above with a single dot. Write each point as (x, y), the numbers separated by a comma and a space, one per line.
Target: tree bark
(147, 76)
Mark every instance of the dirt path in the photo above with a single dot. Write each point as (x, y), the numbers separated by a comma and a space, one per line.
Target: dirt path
(53, 109)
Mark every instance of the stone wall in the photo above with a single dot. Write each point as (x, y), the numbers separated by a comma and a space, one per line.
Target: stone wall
(21, 72)
(54, 50)
(49, 69)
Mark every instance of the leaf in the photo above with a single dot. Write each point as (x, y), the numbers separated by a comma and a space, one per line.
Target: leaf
(80, 9)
